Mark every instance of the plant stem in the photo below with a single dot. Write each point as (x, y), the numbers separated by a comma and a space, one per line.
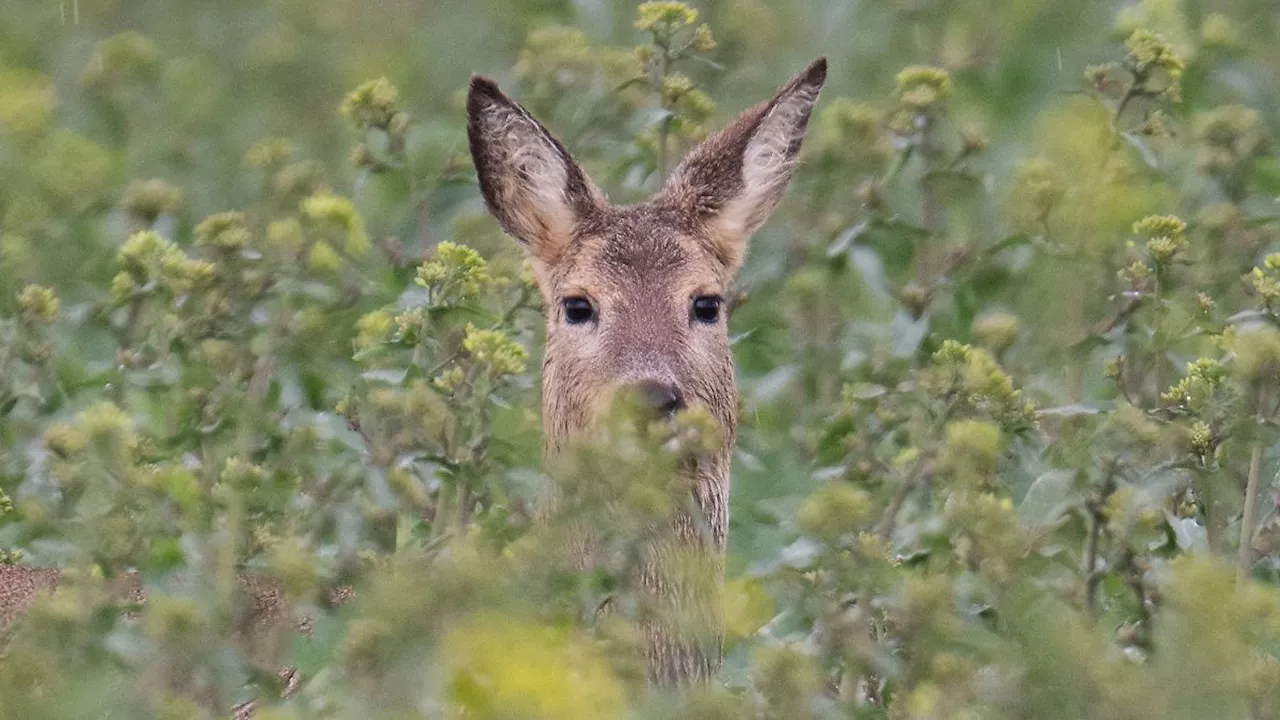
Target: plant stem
(130, 327)
(1244, 556)
(890, 517)
(1130, 91)
(1157, 338)
(1089, 565)
(664, 127)
(929, 206)
(439, 513)
(1133, 578)
(420, 347)
(912, 481)
(1091, 573)
(1213, 511)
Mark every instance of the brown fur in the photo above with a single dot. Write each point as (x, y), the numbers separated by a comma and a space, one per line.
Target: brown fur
(19, 588)
(265, 619)
(641, 266)
(265, 607)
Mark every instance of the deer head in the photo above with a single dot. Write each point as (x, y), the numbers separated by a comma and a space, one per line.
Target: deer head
(634, 294)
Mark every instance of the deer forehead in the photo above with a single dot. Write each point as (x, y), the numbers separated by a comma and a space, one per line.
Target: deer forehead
(636, 256)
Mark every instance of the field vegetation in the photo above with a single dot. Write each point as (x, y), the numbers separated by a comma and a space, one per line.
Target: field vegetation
(1009, 355)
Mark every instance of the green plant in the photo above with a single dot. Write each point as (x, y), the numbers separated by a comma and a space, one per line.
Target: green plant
(1008, 355)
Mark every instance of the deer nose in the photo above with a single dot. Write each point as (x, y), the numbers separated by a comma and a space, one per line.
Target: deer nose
(662, 399)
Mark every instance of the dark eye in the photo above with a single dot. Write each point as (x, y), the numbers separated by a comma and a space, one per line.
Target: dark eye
(577, 310)
(706, 308)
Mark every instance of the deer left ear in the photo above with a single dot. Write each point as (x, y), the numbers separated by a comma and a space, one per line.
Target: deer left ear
(528, 179)
(734, 179)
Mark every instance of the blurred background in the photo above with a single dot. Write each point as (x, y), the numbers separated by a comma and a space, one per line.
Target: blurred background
(226, 344)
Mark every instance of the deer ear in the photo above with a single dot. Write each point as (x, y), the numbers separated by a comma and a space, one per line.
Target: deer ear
(734, 179)
(530, 182)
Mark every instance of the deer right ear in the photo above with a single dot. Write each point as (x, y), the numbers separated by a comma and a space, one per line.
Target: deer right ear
(735, 178)
(530, 183)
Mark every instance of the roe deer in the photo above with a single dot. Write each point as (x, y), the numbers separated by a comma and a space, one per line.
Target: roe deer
(634, 299)
(634, 296)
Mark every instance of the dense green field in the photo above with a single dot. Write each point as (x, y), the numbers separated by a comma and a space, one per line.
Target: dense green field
(1009, 355)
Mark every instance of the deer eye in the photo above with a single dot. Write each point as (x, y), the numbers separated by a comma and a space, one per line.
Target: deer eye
(706, 308)
(577, 310)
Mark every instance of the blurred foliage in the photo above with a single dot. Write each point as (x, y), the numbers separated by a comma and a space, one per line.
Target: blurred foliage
(1009, 356)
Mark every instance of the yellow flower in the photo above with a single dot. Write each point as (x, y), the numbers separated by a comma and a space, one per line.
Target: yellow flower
(1257, 352)
(457, 273)
(501, 667)
(920, 87)
(146, 256)
(149, 199)
(664, 16)
(1218, 31)
(747, 607)
(1228, 136)
(324, 259)
(285, 235)
(702, 39)
(372, 103)
(1149, 52)
(38, 304)
(1160, 226)
(225, 231)
(996, 330)
(124, 56)
(450, 380)
(493, 349)
(269, 152)
(27, 100)
(372, 328)
(338, 213)
(834, 510)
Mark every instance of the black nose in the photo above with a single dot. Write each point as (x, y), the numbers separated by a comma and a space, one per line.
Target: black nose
(663, 399)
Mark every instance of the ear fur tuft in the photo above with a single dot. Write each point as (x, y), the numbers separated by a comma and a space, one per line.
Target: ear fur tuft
(734, 179)
(529, 181)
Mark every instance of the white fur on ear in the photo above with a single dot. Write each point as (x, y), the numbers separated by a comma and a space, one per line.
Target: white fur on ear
(529, 181)
(767, 163)
(734, 179)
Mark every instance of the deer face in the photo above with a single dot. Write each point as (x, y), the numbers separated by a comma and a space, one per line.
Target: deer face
(636, 305)
(634, 294)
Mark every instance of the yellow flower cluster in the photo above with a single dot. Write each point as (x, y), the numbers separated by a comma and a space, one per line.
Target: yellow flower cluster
(456, 274)
(226, 231)
(148, 258)
(38, 304)
(1166, 237)
(922, 87)
(149, 199)
(371, 104)
(664, 16)
(337, 214)
(494, 350)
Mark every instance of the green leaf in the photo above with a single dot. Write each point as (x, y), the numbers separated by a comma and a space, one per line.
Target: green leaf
(1190, 534)
(1144, 152)
(389, 377)
(1266, 175)
(846, 239)
(908, 334)
(1069, 411)
(656, 117)
(1051, 495)
(1010, 241)
(868, 264)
